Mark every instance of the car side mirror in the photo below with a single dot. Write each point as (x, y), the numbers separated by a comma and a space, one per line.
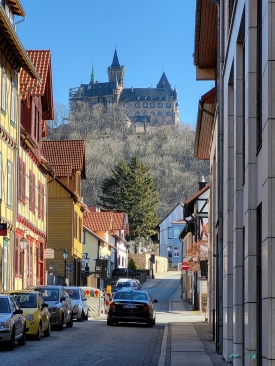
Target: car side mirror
(44, 305)
(18, 311)
(155, 300)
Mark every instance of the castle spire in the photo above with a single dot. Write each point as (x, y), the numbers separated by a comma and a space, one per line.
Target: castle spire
(93, 75)
(115, 62)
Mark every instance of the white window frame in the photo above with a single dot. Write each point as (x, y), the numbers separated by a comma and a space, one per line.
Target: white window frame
(4, 89)
(9, 183)
(176, 233)
(13, 101)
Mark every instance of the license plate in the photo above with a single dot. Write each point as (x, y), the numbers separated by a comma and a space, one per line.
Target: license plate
(129, 306)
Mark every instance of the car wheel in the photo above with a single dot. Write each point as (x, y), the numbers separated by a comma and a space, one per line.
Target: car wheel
(48, 331)
(109, 322)
(38, 335)
(22, 340)
(60, 326)
(10, 343)
(150, 323)
(71, 322)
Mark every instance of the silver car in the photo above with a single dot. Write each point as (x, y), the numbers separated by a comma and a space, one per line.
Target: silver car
(12, 322)
(79, 302)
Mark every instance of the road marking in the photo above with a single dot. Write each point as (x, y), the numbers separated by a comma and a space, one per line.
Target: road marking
(162, 356)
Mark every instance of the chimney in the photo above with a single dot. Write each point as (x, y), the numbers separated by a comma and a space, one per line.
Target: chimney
(202, 183)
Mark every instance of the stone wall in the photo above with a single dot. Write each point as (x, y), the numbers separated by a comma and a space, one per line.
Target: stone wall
(142, 262)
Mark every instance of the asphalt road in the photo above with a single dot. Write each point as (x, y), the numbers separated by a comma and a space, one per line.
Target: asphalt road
(94, 343)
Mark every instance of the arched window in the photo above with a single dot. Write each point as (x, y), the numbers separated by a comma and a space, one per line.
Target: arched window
(168, 105)
(176, 252)
(152, 113)
(168, 114)
(126, 104)
(160, 105)
(137, 104)
(137, 114)
(159, 113)
(152, 105)
(145, 105)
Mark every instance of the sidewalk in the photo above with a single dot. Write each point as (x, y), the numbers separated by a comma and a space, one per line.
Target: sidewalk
(188, 342)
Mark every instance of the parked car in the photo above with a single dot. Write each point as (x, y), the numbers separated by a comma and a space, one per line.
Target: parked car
(125, 272)
(36, 312)
(79, 302)
(60, 304)
(132, 306)
(124, 283)
(12, 322)
(136, 285)
(115, 288)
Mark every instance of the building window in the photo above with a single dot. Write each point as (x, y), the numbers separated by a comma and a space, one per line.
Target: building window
(176, 233)
(4, 90)
(9, 184)
(75, 225)
(126, 104)
(41, 197)
(145, 105)
(152, 113)
(160, 105)
(160, 114)
(137, 104)
(176, 252)
(13, 102)
(168, 114)
(16, 257)
(22, 181)
(168, 105)
(170, 233)
(137, 114)
(145, 113)
(79, 229)
(32, 191)
(152, 105)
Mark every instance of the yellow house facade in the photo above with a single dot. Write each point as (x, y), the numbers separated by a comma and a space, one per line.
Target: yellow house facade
(13, 58)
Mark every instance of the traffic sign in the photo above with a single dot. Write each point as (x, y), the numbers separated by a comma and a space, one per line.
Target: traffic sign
(185, 266)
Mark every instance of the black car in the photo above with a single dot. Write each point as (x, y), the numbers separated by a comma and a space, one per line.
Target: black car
(132, 306)
(59, 304)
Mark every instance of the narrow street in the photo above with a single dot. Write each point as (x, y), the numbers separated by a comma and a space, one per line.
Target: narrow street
(94, 343)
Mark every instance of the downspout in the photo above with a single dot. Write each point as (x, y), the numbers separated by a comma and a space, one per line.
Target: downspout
(219, 224)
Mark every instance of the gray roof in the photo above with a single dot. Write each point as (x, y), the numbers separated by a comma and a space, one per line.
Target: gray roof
(145, 94)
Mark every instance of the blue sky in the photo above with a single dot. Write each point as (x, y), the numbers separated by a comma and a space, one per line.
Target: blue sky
(150, 36)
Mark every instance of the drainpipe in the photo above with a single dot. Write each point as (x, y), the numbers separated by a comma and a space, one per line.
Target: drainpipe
(219, 224)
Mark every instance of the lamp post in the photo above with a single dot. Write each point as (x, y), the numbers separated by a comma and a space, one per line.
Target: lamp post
(23, 245)
(65, 256)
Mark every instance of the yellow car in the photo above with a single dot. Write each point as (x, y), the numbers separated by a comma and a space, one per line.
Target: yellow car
(35, 310)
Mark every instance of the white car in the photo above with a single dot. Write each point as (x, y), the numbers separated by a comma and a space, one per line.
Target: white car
(79, 302)
(125, 284)
(12, 322)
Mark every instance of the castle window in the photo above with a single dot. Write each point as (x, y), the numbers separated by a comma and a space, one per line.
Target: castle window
(152, 105)
(168, 114)
(145, 114)
(159, 113)
(160, 105)
(126, 104)
(168, 105)
(137, 104)
(137, 114)
(152, 113)
(145, 105)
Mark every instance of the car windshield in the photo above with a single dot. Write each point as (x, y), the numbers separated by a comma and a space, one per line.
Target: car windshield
(4, 306)
(73, 293)
(130, 296)
(124, 284)
(50, 294)
(26, 300)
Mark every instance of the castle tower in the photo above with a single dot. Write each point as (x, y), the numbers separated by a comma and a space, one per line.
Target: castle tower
(116, 72)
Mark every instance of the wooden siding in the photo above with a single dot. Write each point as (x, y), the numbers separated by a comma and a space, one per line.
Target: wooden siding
(60, 229)
(56, 190)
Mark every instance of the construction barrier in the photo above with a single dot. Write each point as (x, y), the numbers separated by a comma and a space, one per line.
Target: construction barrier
(107, 299)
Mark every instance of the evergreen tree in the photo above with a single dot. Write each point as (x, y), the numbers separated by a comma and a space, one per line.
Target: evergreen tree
(131, 189)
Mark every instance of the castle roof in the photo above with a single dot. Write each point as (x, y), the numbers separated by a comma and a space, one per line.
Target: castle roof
(146, 94)
(115, 62)
(164, 83)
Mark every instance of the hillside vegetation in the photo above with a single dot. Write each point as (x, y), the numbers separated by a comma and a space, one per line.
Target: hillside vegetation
(167, 151)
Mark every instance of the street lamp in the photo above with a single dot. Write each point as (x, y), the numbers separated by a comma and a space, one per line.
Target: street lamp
(65, 256)
(23, 245)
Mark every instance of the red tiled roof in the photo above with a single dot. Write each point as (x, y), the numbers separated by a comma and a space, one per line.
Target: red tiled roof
(42, 62)
(103, 221)
(197, 194)
(66, 152)
(62, 170)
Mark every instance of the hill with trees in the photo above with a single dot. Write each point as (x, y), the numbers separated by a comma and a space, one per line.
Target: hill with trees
(168, 152)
